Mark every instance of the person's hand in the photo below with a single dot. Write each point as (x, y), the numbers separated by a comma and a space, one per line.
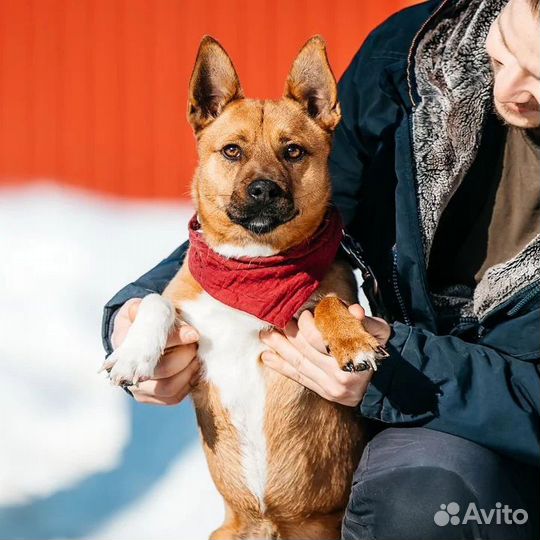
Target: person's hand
(178, 369)
(301, 354)
(376, 326)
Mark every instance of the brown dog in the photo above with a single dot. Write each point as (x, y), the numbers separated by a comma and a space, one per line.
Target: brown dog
(281, 456)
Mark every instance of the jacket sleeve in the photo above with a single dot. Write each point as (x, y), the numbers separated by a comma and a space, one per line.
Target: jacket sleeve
(153, 281)
(349, 153)
(366, 116)
(461, 388)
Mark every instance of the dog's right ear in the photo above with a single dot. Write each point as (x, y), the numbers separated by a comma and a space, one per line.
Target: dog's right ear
(214, 83)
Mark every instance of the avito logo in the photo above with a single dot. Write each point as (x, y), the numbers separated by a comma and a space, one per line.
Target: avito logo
(449, 514)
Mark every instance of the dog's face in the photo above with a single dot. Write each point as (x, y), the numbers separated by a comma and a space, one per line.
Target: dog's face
(262, 183)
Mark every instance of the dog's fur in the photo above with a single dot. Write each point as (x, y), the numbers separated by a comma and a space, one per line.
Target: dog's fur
(281, 456)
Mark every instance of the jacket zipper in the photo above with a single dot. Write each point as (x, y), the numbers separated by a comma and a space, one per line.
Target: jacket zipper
(397, 292)
(532, 290)
(535, 289)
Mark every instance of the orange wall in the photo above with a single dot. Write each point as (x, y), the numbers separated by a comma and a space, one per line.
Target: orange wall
(93, 92)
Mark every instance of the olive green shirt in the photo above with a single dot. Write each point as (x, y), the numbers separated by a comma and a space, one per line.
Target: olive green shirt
(493, 215)
(515, 220)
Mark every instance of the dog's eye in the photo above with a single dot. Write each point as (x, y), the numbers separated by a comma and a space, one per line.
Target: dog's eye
(232, 152)
(294, 152)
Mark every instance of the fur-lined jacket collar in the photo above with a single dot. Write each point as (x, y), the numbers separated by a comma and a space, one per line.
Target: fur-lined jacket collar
(454, 83)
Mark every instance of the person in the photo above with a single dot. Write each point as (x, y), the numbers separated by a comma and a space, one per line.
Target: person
(436, 173)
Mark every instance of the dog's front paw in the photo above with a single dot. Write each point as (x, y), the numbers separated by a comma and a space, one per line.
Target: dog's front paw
(136, 359)
(364, 360)
(356, 351)
(129, 365)
(349, 343)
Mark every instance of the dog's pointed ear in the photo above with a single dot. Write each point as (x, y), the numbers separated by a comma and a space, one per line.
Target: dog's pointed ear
(214, 83)
(312, 84)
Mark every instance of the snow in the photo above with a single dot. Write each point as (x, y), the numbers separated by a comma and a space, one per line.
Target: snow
(77, 457)
(184, 501)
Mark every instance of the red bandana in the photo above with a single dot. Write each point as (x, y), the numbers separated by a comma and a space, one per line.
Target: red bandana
(272, 288)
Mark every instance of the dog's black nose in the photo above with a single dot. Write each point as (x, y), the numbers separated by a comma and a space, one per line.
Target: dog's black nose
(263, 190)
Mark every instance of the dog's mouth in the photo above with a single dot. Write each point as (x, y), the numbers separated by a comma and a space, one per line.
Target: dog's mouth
(262, 220)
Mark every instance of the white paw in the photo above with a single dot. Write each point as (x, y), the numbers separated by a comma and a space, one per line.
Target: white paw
(131, 365)
(136, 359)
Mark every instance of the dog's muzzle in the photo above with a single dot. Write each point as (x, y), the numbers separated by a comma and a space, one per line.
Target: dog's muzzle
(265, 206)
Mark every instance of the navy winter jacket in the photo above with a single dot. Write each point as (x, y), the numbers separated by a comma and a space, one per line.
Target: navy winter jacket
(417, 125)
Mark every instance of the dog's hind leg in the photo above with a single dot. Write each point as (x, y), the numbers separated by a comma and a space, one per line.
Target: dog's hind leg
(136, 358)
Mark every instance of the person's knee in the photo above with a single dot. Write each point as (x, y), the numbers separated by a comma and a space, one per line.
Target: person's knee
(403, 503)
(418, 484)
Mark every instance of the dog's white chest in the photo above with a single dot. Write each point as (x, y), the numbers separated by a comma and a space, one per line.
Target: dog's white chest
(229, 349)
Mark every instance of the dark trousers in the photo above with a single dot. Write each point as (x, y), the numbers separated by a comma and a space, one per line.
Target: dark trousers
(419, 484)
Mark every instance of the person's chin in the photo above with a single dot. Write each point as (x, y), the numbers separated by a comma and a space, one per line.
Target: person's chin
(520, 119)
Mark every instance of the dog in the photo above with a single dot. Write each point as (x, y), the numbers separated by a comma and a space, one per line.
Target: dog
(263, 247)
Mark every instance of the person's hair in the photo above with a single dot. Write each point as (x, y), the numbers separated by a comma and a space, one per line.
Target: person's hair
(535, 6)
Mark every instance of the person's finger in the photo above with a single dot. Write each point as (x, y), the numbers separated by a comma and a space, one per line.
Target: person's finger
(182, 335)
(288, 352)
(357, 311)
(347, 393)
(372, 325)
(133, 307)
(323, 360)
(378, 328)
(123, 321)
(276, 362)
(310, 332)
(167, 402)
(171, 387)
(175, 360)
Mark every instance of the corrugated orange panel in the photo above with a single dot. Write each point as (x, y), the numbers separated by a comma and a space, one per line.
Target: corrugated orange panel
(76, 86)
(47, 79)
(16, 88)
(93, 92)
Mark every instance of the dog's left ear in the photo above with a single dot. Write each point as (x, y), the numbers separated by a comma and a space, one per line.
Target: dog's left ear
(312, 84)
(214, 83)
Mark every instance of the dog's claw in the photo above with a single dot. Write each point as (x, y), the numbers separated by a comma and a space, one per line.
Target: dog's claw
(351, 367)
(363, 364)
(381, 352)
